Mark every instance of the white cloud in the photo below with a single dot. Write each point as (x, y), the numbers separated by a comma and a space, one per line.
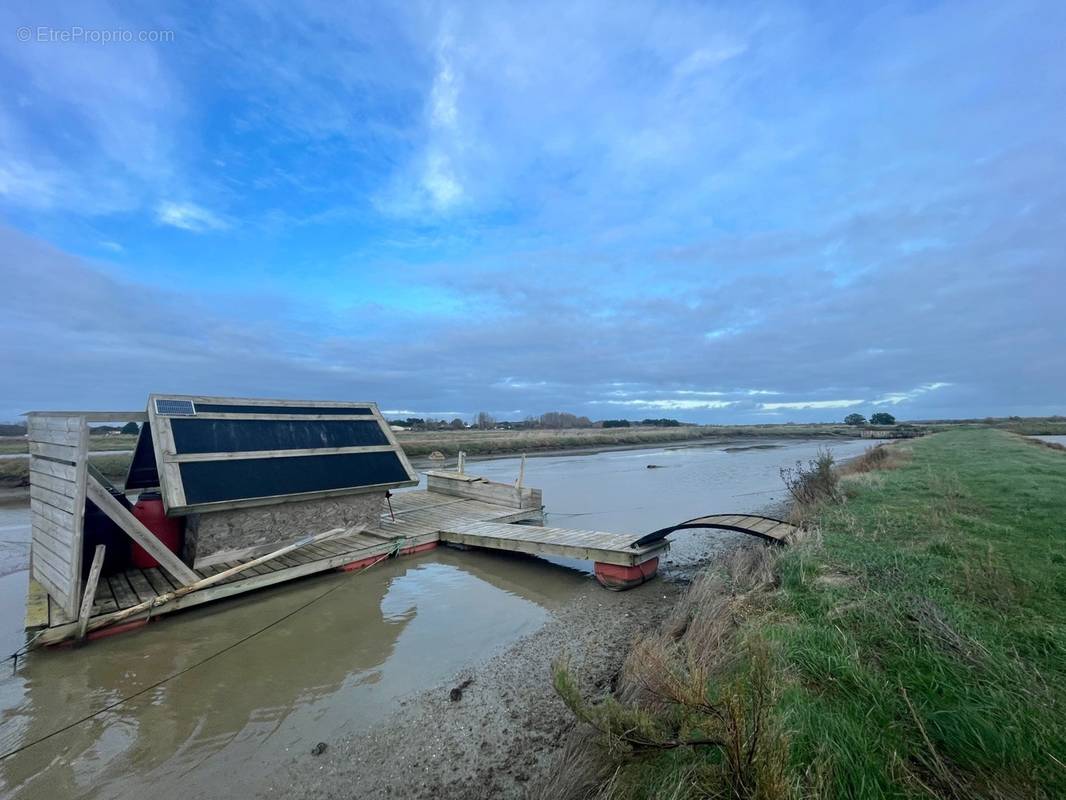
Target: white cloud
(801, 404)
(407, 412)
(895, 398)
(27, 185)
(189, 217)
(669, 405)
(439, 181)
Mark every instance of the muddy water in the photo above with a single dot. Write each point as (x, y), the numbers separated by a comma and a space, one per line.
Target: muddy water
(217, 711)
(1054, 439)
(616, 490)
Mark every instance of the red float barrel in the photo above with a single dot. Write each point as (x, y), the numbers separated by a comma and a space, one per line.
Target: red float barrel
(168, 530)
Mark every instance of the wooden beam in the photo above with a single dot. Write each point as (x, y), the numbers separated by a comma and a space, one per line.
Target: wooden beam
(140, 534)
(94, 416)
(89, 596)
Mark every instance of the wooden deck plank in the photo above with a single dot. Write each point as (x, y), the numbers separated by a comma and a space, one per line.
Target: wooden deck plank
(158, 580)
(610, 548)
(140, 585)
(123, 592)
(104, 602)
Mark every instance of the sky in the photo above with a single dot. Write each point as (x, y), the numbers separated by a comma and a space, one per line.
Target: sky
(718, 212)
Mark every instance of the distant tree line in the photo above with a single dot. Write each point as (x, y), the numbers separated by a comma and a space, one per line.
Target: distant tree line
(880, 418)
(550, 420)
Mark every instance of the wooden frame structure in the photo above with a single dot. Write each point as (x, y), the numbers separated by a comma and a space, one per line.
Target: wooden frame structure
(59, 485)
(169, 458)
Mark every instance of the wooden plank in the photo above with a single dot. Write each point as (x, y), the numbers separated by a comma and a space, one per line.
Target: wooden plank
(88, 597)
(54, 499)
(587, 545)
(51, 572)
(105, 601)
(57, 469)
(60, 451)
(57, 615)
(63, 519)
(140, 534)
(91, 416)
(140, 585)
(50, 529)
(183, 458)
(123, 592)
(36, 606)
(71, 438)
(503, 494)
(158, 580)
(57, 554)
(52, 484)
(51, 586)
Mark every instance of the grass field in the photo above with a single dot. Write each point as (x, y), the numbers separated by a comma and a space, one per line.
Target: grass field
(914, 647)
(16, 472)
(492, 442)
(17, 444)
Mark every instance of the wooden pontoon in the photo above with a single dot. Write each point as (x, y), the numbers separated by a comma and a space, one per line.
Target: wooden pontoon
(347, 448)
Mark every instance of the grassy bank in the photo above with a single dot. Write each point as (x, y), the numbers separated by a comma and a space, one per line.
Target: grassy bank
(16, 472)
(914, 646)
(476, 442)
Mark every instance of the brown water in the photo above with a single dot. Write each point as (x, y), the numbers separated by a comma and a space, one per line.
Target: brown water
(319, 670)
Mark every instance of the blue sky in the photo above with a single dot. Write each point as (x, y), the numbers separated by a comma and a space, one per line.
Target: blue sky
(716, 211)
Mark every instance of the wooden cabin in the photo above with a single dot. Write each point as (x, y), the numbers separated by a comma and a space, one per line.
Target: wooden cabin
(245, 476)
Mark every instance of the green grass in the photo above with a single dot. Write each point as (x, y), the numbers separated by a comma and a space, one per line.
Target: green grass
(16, 472)
(919, 648)
(17, 444)
(936, 658)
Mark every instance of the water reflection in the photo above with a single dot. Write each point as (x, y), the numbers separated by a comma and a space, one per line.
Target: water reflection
(334, 666)
(343, 662)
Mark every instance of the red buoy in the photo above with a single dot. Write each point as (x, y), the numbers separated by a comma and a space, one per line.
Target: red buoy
(618, 578)
(168, 530)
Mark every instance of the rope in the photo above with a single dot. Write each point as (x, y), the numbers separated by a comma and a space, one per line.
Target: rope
(111, 706)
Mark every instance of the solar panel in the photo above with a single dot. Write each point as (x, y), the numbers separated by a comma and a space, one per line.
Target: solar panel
(175, 408)
(215, 453)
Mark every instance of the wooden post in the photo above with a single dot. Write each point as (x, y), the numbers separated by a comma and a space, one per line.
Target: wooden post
(461, 466)
(89, 597)
(521, 473)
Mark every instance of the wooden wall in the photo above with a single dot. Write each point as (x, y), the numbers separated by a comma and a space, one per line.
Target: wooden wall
(474, 488)
(58, 454)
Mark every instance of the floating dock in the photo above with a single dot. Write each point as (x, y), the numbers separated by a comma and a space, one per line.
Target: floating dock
(266, 491)
(418, 522)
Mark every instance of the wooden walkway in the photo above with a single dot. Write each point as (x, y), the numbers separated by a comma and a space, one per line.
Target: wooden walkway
(606, 548)
(419, 517)
(768, 528)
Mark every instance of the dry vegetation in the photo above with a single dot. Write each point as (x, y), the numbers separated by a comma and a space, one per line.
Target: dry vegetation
(492, 442)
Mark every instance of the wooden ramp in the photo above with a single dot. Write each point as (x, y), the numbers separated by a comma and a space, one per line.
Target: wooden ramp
(768, 528)
(604, 548)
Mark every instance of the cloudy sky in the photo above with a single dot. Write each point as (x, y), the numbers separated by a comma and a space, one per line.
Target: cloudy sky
(716, 211)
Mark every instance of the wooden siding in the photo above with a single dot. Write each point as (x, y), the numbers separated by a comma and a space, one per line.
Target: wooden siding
(59, 447)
